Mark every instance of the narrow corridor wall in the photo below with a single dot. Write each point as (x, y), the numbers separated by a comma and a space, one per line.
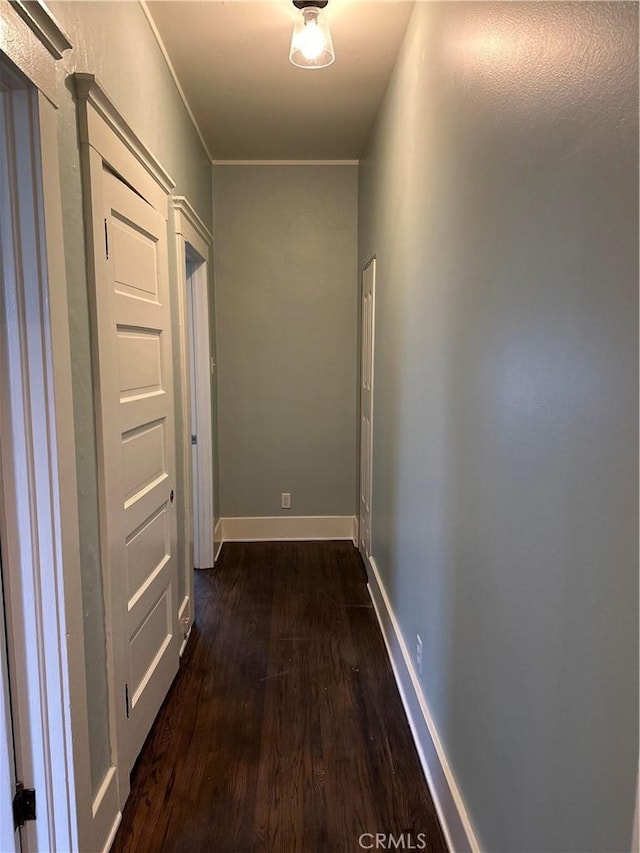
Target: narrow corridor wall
(499, 193)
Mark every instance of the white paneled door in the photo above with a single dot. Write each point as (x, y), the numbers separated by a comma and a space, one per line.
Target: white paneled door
(135, 328)
(202, 442)
(366, 404)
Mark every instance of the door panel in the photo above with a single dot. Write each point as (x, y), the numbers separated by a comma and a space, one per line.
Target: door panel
(147, 546)
(144, 457)
(134, 260)
(139, 359)
(366, 405)
(139, 315)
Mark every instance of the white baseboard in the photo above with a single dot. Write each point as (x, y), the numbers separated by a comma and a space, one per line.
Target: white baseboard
(185, 641)
(457, 828)
(109, 843)
(355, 531)
(635, 837)
(287, 528)
(184, 611)
(105, 811)
(217, 540)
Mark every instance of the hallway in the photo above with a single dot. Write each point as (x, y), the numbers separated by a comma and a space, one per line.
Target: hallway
(284, 730)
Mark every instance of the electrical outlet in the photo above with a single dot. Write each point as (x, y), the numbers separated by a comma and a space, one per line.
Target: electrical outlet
(285, 500)
(419, 654)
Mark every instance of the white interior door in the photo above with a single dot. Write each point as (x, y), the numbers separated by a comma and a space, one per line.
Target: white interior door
(366, 404)
(201, 427)
(193, 414)
(135, 326)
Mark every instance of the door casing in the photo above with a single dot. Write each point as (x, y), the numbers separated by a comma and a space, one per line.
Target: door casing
(193, 248)
(367, 358)
(41, 565)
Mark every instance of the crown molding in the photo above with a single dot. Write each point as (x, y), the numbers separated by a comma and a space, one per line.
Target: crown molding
(172, 71)
(285, 162)
(40, 20)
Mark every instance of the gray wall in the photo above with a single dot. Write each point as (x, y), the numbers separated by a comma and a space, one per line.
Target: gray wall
(499, 192)
(286, 298)
(114, 41)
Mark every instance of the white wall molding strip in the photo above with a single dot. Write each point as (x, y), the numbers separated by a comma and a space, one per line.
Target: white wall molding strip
(47, 28)
(112, 834)
(286, 162)
(355, 532)
(185, 209)
(217, 540)
(90, 93)
(174, 76)
(185, 641)
(456, 825)
(105, 810)
(184, 612)
(283, 528)
(635, 836)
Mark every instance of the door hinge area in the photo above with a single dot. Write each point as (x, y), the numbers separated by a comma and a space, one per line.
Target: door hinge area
(24, 805)
(194, 439)
(106, 239)
(126, 698)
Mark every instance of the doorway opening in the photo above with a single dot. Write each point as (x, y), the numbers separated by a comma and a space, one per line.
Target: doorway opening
(201, 368)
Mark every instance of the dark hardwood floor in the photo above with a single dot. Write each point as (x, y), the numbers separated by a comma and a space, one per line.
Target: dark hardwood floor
(283, 730)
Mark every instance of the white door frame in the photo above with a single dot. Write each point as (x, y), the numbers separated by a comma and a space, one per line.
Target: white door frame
(38, 489)
(9, 843)
(366, 465)
(107, 140)
(193, 244)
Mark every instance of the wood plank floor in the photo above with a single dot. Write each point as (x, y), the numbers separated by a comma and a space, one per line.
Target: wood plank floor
(283, 730)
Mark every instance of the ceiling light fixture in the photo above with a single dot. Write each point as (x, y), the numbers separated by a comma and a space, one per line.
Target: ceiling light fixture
(311, 44)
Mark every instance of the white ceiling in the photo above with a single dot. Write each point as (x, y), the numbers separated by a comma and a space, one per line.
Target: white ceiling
(232, 61)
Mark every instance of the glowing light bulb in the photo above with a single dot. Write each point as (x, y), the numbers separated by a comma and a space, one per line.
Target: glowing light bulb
(311, 41)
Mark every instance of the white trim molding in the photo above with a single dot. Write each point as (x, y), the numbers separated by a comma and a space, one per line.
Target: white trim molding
(112, 834)
(185, 622)
(454, 819)
(194, 244)
(185, 213)
(217, 539)
(294, 528)
(174, 76)
(635, 834)
(103, 128)
(21, 42)
(40, 20)
(105, 810)
(285, 162)
(39, 518)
